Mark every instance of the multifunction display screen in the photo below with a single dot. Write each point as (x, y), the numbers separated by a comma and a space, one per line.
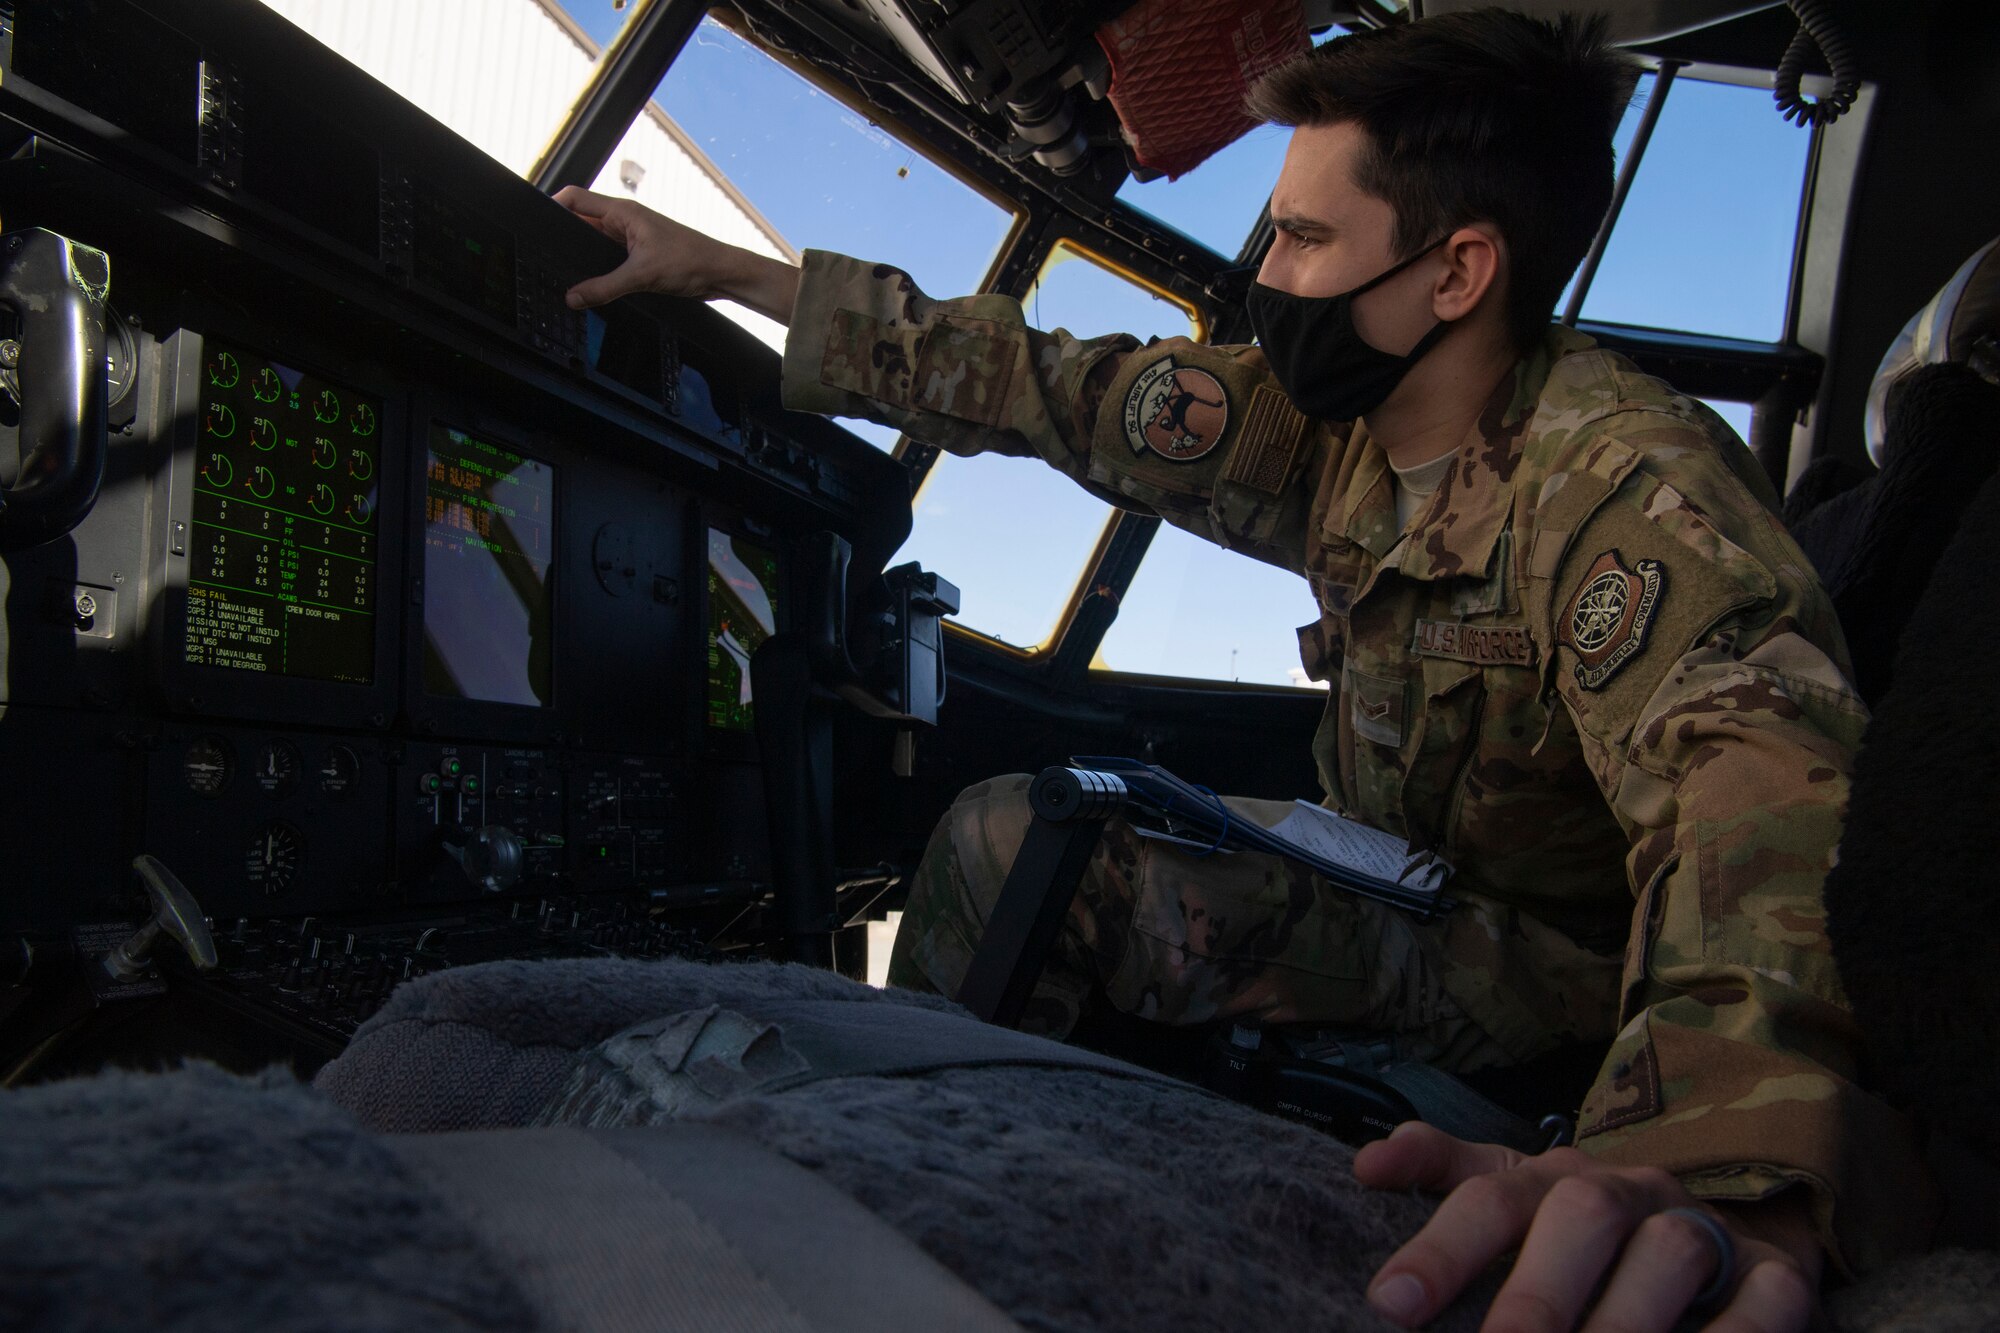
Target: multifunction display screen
(742, 613)
(489, 530)
(281, 567)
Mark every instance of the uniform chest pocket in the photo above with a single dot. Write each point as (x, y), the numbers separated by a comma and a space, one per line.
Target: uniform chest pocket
(1454, 700)
(1379, 707)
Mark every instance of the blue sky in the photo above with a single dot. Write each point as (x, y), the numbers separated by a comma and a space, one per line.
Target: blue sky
(1704, 244)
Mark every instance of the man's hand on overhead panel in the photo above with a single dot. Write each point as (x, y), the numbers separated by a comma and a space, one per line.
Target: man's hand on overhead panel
(663, 256)
(1599, 1246)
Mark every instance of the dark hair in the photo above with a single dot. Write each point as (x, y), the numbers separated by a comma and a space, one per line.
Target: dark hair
(1479, 116)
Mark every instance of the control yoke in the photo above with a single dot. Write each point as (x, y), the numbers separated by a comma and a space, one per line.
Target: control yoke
(879, 646)
(56, 371)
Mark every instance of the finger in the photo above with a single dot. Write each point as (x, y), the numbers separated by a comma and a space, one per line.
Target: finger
(1477, 1223)
(1773, 1297)
(1574, 1240)
(606, 288)
(582, 202)
(1420, 1156)
(1668, 1260)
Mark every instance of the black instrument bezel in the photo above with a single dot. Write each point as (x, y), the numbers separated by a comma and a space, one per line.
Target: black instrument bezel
(210, 691)
(481, 719)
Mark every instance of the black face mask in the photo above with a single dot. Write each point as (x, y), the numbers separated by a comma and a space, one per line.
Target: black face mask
(1317, 354)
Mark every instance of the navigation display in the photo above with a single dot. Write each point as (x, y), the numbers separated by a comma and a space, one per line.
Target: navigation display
(742, 613)
(489, 529)
(281, 551)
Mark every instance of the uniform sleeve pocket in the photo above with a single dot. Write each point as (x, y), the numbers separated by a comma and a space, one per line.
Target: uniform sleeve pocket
(964, 373)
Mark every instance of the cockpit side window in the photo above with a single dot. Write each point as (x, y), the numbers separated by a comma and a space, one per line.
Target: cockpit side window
(1196, 611)
(1704, 241)
(1014, 535)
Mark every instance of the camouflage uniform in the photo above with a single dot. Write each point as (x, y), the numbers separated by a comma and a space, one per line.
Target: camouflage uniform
(1593, 672)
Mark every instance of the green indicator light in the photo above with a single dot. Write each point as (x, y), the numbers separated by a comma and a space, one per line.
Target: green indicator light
(470, 785)
(452, 768)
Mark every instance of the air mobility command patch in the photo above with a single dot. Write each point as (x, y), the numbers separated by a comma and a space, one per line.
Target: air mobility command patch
(1177, 411)
(1607, 619)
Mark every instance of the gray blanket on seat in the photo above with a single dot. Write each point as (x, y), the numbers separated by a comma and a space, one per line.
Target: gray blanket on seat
(1069, 1199)
(199, 1199)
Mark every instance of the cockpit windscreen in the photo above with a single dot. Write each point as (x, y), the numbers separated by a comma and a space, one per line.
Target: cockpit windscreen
(489, 529)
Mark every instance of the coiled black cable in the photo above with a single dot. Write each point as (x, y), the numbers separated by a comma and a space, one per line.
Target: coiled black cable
(1818, 30)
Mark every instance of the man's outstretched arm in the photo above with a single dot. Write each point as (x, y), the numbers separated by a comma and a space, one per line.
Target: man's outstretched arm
(1197, 434)
(663, 256)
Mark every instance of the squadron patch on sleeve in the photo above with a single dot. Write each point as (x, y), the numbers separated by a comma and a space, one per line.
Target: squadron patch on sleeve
(1176, 411)
(1607, 619)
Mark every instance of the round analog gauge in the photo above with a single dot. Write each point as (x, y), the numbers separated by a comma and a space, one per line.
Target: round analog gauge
(265, 386)
(206, 766)
(274, 857)
(224, 371)
(339, 772)
(277, 769)
(359, 465)
(324, 454)
(263, 483)
(359, 508)
(121, 358)
(264, 432)
(362, 420)
(217, 471)
(220, 421)
(327, 409)
(323, 499)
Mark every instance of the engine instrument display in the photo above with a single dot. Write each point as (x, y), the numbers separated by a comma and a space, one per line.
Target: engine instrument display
(489, 532)
(282, 549)
(742, 613)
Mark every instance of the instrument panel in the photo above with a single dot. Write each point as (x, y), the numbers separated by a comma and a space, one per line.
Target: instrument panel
(412, 587)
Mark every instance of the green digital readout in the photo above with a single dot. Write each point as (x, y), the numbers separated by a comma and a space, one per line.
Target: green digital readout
(742, 613)
(281, 549)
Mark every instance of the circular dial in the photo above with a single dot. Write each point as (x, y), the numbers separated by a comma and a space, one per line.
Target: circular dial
(324, 453)
(359, 508)
(206, 766)
(323, 499)
(217, 471)
(263, 483)
(359, 465)
(224, 371)
(274, 856)
(339, 772)
(219, 421)
(326, 408)
(362, 419)
(264, 432)
(265, 386)
(277, 768)
(121, 358)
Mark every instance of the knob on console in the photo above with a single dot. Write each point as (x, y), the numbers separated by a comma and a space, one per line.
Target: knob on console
(492, 858)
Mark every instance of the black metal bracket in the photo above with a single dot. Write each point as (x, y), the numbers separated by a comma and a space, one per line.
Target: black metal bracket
(1071, 808)
(623, 83)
